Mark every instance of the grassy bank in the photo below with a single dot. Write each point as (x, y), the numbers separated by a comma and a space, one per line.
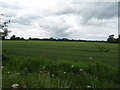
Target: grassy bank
(44, 73)
(50, 64)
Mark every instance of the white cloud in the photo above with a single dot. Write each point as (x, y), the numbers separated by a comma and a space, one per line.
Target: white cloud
(59, 18)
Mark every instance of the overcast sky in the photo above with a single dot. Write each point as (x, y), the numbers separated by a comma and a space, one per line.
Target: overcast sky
(61, 19)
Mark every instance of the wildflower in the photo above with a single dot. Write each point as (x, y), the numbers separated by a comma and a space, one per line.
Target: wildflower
(44, 67)
(15, 85)
(2, 67)
(81, 69)
(90, 58)
(41, 72)
(72, 66)
(53, 75)
(8, 72)
(18, 73)
(64, 72)
(88, 86)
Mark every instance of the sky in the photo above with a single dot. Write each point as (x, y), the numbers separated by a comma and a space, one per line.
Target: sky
(61, 18)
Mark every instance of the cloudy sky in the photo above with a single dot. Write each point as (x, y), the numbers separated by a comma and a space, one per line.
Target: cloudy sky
(61, 19)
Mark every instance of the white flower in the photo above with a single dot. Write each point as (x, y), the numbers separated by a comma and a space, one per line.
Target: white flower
(44, 67)
(53, 75)
(41, 72)
(2, 67)
(88, 86)
(90, 58)
(64, 72)
(72, 66)
(18, 73)
(15, 85)
(81, 69)
(8, 72)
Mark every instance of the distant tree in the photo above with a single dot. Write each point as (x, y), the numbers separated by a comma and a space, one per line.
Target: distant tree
(30, 38)
(13, 37)
(59, 39)
(119, 36)
(111, 39)
(17, 38)
(51, 38)
(3, 26)
(118, 39)
(45, 39)
(65, 39)
(22, 38)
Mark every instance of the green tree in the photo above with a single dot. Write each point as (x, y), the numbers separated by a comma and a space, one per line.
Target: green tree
(65, 39)
(3, 28)
(111, 39)
(13, 37)
(51, 38)
(22, 38)
(17, 38)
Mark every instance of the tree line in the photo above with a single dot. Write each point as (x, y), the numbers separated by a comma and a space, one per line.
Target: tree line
(110, 39)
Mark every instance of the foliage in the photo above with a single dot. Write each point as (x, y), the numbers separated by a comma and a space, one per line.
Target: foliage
(3, 27)
(16, 38)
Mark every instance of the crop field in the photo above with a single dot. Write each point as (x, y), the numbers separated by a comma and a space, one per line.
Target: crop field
(60, 64)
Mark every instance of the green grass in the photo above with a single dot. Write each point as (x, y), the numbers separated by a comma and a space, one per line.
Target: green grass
(50, 64)
(71, 51)
(42, 73)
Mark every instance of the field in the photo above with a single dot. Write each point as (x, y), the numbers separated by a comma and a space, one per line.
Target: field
(60, 64)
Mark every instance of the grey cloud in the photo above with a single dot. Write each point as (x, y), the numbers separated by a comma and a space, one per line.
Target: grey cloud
(10, 6)
(100, 10)
(52, 22)
(56, 29)
(26, 19)
(59, 31)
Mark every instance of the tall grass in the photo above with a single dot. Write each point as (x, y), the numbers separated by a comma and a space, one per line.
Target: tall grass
(41, 72)
(70, 51)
